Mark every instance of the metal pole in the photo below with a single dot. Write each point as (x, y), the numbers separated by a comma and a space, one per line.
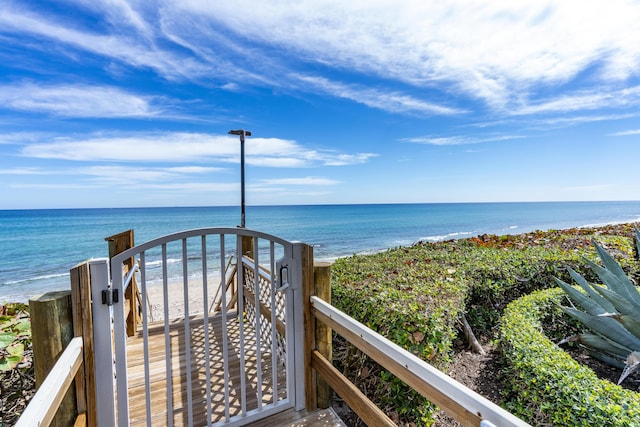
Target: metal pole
(242, 204)
(242, 133)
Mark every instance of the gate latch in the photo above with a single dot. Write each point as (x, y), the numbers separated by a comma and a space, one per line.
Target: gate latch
(283, 278)
(109, 296)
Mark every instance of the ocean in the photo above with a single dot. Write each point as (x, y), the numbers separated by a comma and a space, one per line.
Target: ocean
(38, 247)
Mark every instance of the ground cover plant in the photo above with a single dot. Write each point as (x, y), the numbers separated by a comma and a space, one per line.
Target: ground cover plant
(415, 296)
(17, 381)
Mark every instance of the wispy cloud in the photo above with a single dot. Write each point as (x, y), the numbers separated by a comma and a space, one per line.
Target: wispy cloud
(305, 181)
(574, 120)
(391, 101)
(76, 101)
(627, 132)
(125, 46)
(459, 139)
(447, 47)
(114, 175)
(187, 147)
(26, 171)
(539, 43)
(586, 100)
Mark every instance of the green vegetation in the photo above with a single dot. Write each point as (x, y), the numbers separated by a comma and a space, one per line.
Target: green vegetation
(17, 382)
(415, 296)
(15, 334)
(546, 385)
(611, 312)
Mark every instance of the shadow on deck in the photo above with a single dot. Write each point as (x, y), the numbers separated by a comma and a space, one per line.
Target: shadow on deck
(187, 387)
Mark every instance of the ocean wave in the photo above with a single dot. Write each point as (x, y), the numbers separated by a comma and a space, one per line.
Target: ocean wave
(158, 263)
(454, 235)
(36, 279)
(602, 224)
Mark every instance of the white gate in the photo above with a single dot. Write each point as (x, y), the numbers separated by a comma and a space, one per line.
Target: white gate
(221, 320)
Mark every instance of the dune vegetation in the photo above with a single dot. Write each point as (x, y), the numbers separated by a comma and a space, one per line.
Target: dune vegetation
(419, 297)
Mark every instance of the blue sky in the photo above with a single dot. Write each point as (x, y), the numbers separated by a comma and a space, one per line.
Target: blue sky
(120, 103)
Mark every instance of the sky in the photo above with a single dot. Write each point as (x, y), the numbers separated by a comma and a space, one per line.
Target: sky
(128, 103)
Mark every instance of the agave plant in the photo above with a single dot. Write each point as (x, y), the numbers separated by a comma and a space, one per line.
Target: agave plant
(611, 312)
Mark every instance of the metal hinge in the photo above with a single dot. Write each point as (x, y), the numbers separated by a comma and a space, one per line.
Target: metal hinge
(109, 296)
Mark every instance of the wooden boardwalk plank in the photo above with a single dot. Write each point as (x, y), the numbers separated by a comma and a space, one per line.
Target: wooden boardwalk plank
(177, 353)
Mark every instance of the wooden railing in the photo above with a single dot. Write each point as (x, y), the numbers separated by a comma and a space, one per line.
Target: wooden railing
(44, 404)
(458, 401)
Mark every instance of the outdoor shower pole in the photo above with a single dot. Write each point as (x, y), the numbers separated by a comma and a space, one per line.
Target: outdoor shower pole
(242, 133)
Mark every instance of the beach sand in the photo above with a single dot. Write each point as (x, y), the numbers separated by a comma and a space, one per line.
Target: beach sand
(176, 303)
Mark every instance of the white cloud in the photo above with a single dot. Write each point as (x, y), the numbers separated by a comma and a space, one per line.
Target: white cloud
(25, 171)
(627, 132)
(585, 100)
(121, 45)
(496, 51)
(504, 53)
(394, 102)
(188, 147)
(75, 101)
(573, 120)
(114, 175)
(308, 180)
(459, 139)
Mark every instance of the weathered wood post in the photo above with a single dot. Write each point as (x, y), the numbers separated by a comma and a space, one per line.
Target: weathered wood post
(309, 339)
(80, 277)
(237, 291)
(133, 303)
(51, 332)
(324, 345)
(316, 278)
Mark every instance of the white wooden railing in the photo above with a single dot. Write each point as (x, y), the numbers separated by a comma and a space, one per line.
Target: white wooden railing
(44, 404)
(458, 401)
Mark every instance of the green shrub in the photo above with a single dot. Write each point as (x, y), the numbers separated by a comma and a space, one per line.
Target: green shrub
(546, 385)
(411, 302)
(415, 296)
(611, 312)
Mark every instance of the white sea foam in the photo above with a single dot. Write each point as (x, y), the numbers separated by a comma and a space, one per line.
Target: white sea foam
(449, 236)
(38, 278)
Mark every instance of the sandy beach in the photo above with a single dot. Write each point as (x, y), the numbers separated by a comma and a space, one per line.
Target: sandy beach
(176, 304)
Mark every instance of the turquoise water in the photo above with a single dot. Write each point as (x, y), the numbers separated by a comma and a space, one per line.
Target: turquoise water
(38, 247)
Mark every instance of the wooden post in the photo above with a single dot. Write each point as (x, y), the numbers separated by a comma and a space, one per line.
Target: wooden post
(322, 283)
(247, 246)
(52, 330)
(83, 327)
(133, 303)
(310, 375)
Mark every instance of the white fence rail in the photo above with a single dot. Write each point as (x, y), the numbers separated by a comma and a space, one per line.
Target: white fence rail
(44, 404)
(457, 400)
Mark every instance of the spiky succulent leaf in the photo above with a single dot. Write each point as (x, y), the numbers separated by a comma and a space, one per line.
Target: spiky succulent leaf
(609, 360)
(633, 363)
(599, 343)
(606, 326)
(630, 323)
(602, 302)
(590, 305)
(609, 279)
(613, 267)
(621, 304)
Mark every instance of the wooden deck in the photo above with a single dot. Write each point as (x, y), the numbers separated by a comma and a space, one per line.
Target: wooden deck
(256, 389)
